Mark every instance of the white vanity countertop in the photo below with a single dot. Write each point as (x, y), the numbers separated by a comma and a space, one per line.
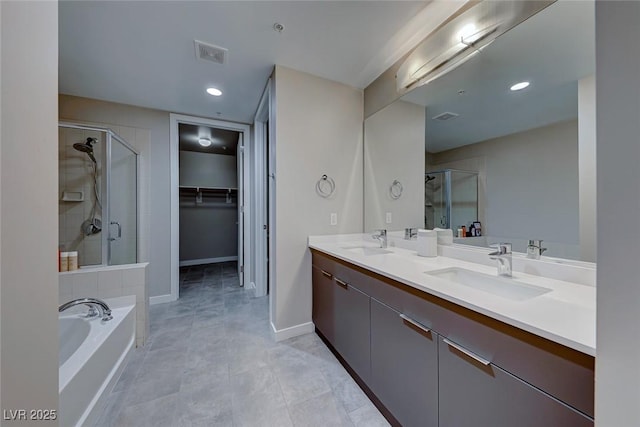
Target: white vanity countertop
(566, 315)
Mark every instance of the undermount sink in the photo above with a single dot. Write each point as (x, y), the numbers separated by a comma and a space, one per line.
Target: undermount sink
(495, 285)
(367, 250)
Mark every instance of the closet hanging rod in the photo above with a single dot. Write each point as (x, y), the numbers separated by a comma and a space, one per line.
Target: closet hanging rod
(199, 188)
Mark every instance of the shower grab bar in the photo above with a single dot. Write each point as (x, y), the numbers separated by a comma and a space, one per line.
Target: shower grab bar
(119, 231)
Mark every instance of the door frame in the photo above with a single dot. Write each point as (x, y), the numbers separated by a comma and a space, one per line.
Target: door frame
(262, 272)
(175, 120)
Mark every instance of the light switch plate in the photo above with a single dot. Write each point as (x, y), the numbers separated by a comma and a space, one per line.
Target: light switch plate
(334, 219)
(389, 218)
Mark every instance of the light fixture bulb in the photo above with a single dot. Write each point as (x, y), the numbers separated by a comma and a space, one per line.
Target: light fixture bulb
(469, 34)
(214, 91)
(519, 86)
(205, 142)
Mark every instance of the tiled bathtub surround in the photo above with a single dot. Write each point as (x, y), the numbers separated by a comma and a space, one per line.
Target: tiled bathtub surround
(111, 282)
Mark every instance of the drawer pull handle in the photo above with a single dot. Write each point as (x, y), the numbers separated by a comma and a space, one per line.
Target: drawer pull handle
(342, 283)
(329, 275)
(472, 355)
(414, 323)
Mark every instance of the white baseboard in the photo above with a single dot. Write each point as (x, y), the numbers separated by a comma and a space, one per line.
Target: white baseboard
(293, 331)
(190, 262)
(161, 299)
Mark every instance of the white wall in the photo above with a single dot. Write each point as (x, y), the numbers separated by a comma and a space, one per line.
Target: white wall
(146, 125)
(587, 167)
(531, 184)
(394, 150)
(618, 151)
(318, 131)
(28, 208)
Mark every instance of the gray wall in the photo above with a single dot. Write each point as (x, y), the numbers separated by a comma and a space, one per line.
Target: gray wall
(393, 150)
(618, 151)
(28, 208)
(208, 229)
(157, 123)
(530, 182)
(318, 131)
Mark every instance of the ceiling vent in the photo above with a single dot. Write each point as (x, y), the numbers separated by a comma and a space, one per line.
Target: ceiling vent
(209, 52)
(445, 116)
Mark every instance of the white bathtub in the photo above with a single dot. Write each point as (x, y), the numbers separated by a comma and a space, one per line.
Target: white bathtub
(92, 356)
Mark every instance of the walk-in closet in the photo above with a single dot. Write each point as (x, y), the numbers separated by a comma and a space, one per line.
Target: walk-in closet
(208, 170)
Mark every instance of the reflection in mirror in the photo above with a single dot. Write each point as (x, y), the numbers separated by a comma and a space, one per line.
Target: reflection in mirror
(531, 151)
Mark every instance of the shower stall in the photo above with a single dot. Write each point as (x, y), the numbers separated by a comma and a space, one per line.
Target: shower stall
(98, 195)
(451, 198)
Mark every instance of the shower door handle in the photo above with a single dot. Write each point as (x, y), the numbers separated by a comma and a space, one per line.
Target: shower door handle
(111, 239)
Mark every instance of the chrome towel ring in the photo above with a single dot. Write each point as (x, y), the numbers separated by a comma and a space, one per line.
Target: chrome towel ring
(395, 190)
(326, 186)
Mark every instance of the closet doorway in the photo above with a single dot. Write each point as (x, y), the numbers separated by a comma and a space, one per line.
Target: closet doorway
(208, 168)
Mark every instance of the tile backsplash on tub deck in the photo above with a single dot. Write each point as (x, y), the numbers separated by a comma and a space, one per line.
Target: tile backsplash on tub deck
(109, 282)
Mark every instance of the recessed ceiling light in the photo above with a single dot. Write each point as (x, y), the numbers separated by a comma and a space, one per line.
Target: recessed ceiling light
(205, 142)
(278, 27)
(214, 91)
(519, 86)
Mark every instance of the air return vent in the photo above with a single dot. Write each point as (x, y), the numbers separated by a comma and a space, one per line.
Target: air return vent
(445, 116)
(209, 52)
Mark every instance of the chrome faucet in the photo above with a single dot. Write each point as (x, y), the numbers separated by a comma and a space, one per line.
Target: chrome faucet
(535, 249)
(96, 307)
(503, 256)
(410, 233)
(381, 235)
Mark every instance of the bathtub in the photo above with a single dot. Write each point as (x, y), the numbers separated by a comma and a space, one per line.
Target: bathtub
(92, 356)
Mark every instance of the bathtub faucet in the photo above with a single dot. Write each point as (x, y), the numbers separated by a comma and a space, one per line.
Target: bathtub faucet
(96, 307)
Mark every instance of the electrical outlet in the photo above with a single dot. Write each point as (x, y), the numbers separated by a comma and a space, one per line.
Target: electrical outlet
(388, 220)
(334, 219)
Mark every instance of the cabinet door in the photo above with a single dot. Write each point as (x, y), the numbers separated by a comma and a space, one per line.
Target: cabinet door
(475, 394)
(352, 324)
(404, 367)
(323, 311)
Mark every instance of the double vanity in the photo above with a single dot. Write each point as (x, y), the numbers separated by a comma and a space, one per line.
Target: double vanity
(445, 341)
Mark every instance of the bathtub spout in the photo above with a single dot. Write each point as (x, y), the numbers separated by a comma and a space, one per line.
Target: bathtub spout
(93, 303)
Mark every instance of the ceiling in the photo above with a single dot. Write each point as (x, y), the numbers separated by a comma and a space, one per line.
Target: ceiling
(543, 50)
(142, 52)
(222, 141)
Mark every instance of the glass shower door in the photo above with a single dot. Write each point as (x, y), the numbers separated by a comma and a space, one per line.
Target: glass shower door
(122, 238)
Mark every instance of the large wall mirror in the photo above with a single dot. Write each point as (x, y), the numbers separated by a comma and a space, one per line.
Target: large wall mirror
(466, 148)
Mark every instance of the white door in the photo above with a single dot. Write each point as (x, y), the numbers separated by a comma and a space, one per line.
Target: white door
(240, 172)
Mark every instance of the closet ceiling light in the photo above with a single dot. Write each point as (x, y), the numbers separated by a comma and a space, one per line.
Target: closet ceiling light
(519, 86)
(205, 142)
(214, 91)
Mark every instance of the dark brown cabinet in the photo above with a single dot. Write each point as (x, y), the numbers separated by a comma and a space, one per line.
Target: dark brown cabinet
(473, 393)
(341, 313)
(323, 311)
(404, 366)
(430, 362)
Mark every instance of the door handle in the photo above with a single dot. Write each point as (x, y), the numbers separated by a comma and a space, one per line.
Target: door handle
(469, 353)
(414, 323)
(111, 239)
(329, 275)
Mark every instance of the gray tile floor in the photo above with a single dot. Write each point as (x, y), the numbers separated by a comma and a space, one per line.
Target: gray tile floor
(211, 361)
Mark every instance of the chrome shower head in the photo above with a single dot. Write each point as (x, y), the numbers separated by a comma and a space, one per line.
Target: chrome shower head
(86, 147)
